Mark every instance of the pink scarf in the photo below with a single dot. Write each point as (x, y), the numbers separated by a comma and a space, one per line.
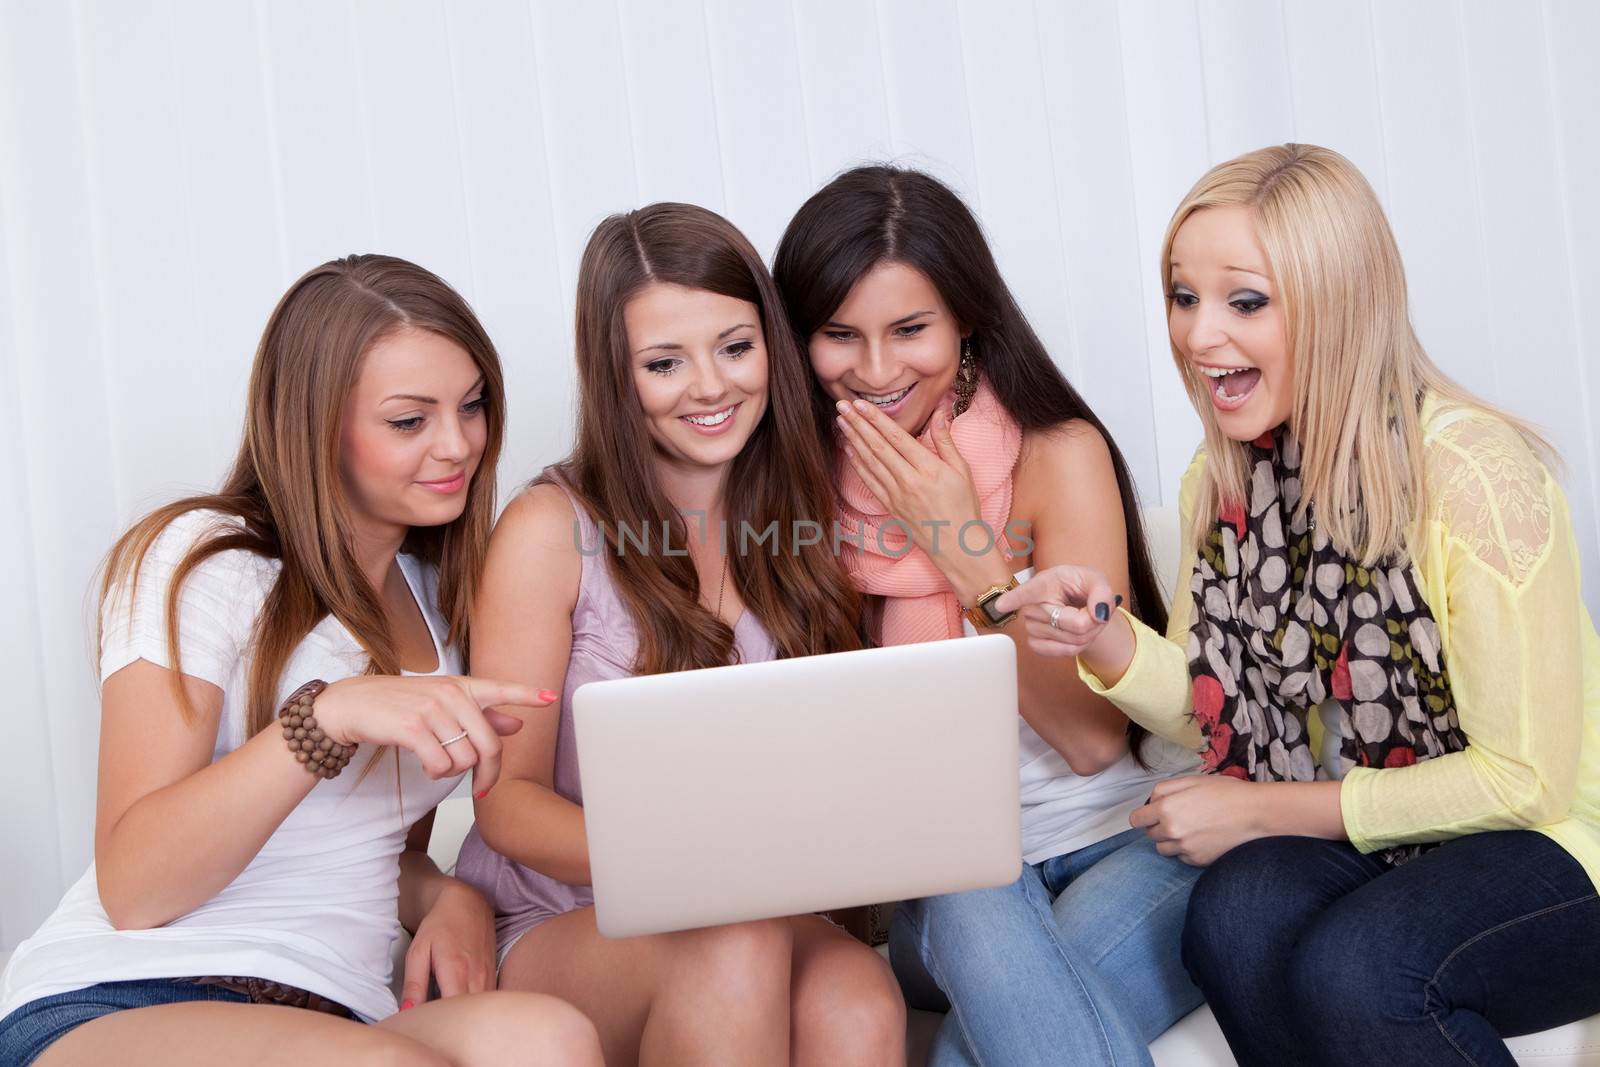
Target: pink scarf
(920, 605)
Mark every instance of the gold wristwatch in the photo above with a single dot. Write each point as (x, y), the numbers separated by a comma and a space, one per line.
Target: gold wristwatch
(982, 614)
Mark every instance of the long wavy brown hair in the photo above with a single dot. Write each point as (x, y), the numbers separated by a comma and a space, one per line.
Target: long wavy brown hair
(798, 591)
(285, 497)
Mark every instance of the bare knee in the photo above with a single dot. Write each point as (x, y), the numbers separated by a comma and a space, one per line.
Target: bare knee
(759, 941)
(555, 1032)
(850, 1010)
(743, 956)
(380, 1049)
(530, 1028)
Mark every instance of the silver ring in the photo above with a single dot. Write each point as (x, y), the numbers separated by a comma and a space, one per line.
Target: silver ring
(1055, 613)
(454, 739)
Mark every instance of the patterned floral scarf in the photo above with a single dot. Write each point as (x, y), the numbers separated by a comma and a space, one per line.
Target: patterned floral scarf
(1283, 621)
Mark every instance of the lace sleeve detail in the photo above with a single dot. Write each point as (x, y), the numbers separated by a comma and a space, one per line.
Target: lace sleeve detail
(1490, 491)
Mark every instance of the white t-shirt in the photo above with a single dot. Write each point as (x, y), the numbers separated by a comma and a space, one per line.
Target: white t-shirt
(1063, 811)
(318, 906)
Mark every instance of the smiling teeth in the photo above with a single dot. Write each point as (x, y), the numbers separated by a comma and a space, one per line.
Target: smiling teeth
(710, 420)
(1221, 372)
(886, 399)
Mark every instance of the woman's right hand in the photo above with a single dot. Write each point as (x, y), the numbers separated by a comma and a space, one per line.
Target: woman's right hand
(1067, 611)
(420, 714)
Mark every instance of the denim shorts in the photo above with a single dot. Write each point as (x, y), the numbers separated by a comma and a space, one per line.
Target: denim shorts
(32, 1028)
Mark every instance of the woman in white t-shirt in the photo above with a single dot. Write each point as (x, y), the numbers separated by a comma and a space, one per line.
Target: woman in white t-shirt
(311, 613)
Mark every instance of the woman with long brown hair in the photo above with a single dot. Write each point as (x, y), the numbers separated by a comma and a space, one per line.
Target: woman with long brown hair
(694, 419)
(309, 615)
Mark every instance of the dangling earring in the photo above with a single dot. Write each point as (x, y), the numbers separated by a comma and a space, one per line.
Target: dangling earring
(966, 383)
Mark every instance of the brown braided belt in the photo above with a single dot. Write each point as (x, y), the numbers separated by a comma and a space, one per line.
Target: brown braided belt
(261, 991)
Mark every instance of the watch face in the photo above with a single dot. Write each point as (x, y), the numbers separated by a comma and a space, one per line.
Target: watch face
(989, 610)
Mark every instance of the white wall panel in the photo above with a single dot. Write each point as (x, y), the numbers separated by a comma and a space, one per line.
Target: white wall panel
(1570, 29)
(761, 116)
(1248, 98)
(1165, 115)
(516, 281)
(671, 109)
(1099, 233)
(1524, 224)
(167, 166)
(139, 211)
(1014, 146)
(1333, 87)
(232, 188)
(319, 127)
(67, 466)
(842, 83)
(31, 886)
(583, 99)
(925, 72)
(1434, 200)
(409, 130)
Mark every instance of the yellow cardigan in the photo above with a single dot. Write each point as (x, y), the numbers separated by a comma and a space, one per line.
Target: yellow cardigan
(1498, 567)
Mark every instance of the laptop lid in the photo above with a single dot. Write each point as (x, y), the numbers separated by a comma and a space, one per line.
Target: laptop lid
(780, 788)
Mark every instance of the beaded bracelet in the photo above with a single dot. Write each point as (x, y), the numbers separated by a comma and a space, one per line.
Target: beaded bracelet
(320, 754)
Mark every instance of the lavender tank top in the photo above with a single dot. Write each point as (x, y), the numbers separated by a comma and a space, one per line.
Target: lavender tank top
(604, 644)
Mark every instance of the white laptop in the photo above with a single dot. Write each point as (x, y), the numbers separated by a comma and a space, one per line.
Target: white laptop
(771, 789)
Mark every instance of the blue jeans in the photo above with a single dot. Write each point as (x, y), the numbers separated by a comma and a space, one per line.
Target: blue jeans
(1077, 961)
(34, 1027)
(1311, 952)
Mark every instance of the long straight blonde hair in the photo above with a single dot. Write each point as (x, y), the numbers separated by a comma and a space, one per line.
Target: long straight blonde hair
(1359, 369)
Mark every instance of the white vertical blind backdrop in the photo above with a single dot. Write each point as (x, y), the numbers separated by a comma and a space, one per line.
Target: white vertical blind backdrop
(167, 167)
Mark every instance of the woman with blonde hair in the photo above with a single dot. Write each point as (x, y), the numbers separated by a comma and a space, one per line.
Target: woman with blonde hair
(281, 709)
(1382, 654)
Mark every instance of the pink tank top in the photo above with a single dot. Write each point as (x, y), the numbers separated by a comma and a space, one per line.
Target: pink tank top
(604, 645)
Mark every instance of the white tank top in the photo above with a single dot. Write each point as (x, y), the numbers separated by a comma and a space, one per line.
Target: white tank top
(1063, 811)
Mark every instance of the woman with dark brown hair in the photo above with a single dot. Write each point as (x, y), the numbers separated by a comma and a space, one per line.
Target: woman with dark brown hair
(315, 605)
(694, 419)
(965, 460)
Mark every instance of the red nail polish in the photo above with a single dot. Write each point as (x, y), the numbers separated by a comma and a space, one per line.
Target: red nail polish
(480, 794)
(547, 696)
(406, 1005)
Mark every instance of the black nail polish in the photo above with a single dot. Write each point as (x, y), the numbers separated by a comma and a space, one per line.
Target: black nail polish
(1119, 600)
(1102, 611)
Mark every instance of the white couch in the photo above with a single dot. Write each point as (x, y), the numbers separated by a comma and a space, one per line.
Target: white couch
(1196, 1040)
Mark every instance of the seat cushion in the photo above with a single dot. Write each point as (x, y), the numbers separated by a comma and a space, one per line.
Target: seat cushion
(452, 820)
(1196, 1041)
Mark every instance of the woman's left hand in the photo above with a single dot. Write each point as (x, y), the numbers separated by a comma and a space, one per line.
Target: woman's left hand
(454, 944)
(1200, 817)
(931, 492)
